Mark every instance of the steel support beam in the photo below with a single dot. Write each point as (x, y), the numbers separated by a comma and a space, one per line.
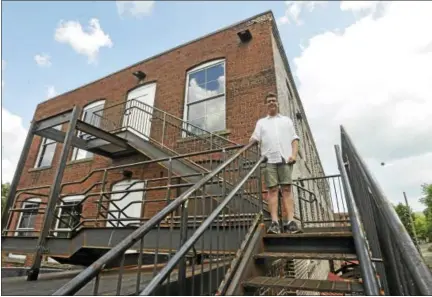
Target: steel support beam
(53, 121)
(59, 136)
(17, 176)
(108, 238)
(99, 133)
(54, 195)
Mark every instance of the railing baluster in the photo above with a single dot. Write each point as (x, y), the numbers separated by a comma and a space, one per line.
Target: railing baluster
(120, 277)
(138, 283)
(96, 285)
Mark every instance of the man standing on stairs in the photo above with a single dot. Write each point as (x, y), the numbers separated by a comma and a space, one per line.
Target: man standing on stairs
(279, 143)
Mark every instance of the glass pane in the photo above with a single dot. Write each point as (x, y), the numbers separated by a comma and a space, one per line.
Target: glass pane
(28, 217)
(196, 111)
(215, 72)
(197, 78)
(200, 123)
(215, 122)
(47, 155)
(196, 92)
(214, 88)
(216, 105)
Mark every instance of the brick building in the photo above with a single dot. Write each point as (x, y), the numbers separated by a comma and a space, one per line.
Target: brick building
(217, 82)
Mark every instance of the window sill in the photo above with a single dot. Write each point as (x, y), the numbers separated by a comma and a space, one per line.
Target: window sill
(39, 169)
(191, 138)
(79, 161)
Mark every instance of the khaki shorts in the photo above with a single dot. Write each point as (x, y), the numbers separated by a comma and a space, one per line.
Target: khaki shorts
(278, 174)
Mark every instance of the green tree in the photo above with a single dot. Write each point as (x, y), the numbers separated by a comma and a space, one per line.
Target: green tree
(427, 201)
(403, 212)
(421, 227)
(4, 194)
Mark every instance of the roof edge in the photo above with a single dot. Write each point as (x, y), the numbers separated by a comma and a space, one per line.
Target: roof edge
(163, 53)
(278, 39)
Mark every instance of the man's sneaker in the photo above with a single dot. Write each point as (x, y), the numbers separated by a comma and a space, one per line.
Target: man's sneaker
(291, 226)
(274, 228)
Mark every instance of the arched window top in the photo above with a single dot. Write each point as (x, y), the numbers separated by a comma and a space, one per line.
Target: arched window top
(206, 65)
(33, 200)
(97, 103)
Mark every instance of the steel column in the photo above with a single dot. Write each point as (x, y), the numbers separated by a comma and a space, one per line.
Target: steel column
(17, 176)
(54, 195)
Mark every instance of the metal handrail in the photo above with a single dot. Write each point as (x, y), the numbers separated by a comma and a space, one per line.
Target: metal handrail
(166, 114)
(397, 242)
(90, 272)
(163, 274)
(111, 168)
(368, 272)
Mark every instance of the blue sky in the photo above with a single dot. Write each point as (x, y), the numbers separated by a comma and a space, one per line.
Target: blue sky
(343, 55)
(134, 39)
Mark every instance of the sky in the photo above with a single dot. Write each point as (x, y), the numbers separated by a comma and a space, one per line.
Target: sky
(366, 65)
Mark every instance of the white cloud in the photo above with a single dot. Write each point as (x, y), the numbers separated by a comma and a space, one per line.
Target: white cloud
(359, 5)
(86, 42)
(136, 9)
(295, 8)
(51, 92)
(13, 137)
(43, 60)
(374, 78)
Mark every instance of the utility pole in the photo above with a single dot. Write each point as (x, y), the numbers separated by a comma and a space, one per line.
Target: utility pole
(412, 223)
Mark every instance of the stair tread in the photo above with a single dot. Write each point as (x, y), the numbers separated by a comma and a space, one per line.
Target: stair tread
(305, 284)
(318, 256)
(310, 234)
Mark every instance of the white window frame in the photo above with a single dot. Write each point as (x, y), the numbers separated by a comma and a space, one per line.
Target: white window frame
(24, 203)
(75, 198)
(80, 154)
(44, 143)
(196, 69)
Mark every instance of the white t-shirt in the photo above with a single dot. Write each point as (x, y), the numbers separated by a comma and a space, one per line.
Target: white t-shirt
(275, 135)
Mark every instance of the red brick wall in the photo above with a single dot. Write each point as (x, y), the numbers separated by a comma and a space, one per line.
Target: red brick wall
(249, 76)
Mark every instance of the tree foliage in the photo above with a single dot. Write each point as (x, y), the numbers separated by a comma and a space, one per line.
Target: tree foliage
(4, 194)
(427, 201)
(404, 212)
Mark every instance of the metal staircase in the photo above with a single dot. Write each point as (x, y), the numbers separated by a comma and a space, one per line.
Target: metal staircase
(207, 236)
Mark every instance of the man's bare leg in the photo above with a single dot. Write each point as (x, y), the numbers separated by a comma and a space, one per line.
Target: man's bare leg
(288, 202)
(273, 203)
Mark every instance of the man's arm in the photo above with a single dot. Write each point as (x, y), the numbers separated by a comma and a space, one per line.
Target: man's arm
(256, 135)
(294, 144)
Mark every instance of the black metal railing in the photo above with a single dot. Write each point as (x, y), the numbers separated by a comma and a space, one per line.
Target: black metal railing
(112, 206)
(162, 129)
(244, 223)
(321, 202)
(402, 270)
(215, 249)
(367, 268)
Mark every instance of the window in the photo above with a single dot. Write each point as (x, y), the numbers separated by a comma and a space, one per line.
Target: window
(46, 151)
(70, 215)
(205, 97)
(92, 115)
(27, 219)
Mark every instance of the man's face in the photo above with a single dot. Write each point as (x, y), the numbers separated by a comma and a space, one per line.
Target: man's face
(272, 105)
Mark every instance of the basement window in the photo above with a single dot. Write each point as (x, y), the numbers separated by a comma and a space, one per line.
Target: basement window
(27, 219)
(70, 215)
(205, 97)
(46, 151)
(92, 115)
